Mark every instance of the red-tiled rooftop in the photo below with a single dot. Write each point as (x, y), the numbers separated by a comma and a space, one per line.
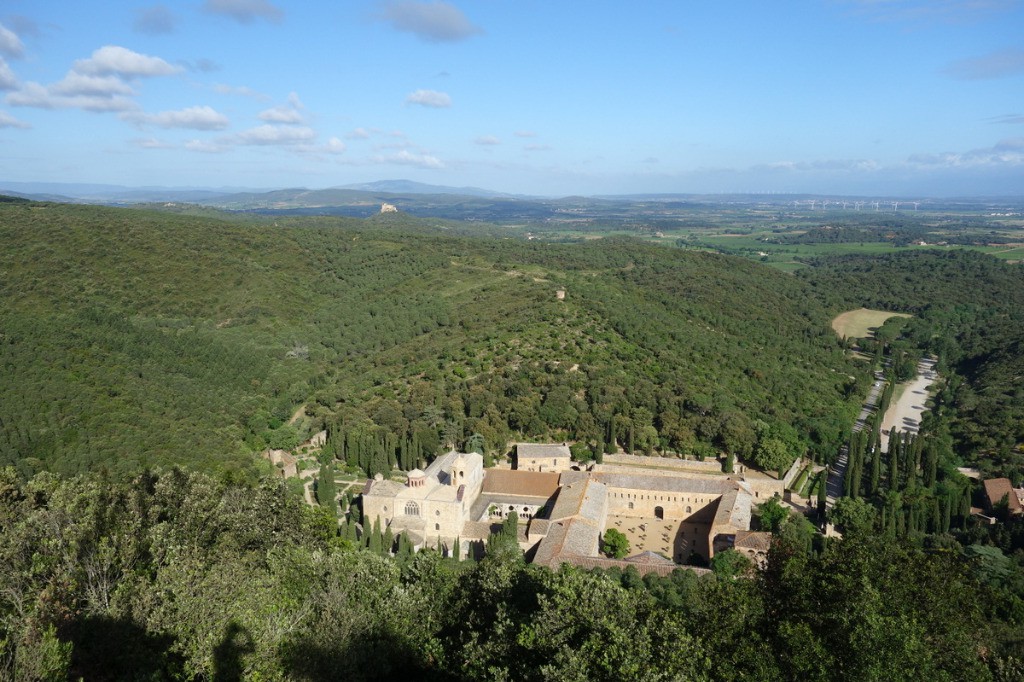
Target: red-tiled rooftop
(998, 488)
(523, 483)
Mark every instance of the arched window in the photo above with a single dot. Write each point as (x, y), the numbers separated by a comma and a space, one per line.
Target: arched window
(630, 505)
(659, 513)
(437, 526)
(412, 509)
(687, 510)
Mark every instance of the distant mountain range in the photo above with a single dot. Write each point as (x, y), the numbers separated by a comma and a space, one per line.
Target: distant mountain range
(412, 187)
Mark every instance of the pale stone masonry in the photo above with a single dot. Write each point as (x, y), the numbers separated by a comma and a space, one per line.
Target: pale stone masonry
(670, 514)
(543, 457)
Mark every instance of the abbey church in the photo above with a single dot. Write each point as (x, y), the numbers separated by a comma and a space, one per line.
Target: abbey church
(673, 511)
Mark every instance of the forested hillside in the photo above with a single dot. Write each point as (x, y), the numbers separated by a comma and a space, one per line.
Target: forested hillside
(132, 338)
(969, 311)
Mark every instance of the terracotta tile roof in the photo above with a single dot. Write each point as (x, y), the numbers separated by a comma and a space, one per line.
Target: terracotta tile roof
(523, 483)
(998, 488)
(753, 540)
(650, 558)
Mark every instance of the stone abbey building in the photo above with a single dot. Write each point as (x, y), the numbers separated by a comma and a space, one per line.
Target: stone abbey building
(671, 510)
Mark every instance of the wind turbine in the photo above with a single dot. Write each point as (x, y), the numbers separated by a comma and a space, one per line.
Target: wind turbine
(916, 204)
(895, 205)
(876, 207)
(813, 201)
(844, 205)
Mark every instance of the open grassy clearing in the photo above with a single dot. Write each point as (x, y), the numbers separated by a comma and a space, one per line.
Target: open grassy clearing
(861, 323)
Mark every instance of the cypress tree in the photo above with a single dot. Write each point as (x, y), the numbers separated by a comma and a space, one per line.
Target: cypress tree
(822, 492)
(893, 482)
(375, 541)
(876, 471)
(931, 463)
(325, 489)
(457, 550)
(388, 542)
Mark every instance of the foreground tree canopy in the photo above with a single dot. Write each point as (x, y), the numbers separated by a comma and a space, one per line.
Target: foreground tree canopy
(176, 575)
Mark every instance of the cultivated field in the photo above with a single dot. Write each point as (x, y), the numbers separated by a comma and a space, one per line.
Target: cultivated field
(861, 323)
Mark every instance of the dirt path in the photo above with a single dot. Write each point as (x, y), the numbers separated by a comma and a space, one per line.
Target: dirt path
(297, 416)
(905, 414)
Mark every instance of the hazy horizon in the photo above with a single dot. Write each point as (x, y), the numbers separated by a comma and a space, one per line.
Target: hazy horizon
(896, 98)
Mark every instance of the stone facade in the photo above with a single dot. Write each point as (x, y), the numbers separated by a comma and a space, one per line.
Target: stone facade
(543, 457)
(431, 505)
(672, 513)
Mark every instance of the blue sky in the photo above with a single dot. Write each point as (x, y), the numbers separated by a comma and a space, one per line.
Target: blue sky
(855, 97)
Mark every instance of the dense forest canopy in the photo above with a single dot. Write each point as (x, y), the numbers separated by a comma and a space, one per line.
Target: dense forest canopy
(134, 338)
(969, 313)
(133, 341)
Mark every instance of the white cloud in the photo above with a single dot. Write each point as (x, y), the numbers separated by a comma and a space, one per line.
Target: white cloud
(113, 59)
(407, 158)
(333, 147)
(10, 44)
(998, 64)
(195, 118)
(285, 113)
(40, 97)
(487, 140)
(8, 81)
(1011, 119)
(433, 22)
(205, 147)
(245, 11)
(155, 20)
(429, 98)
(537, 148)
(151, 143)
(282, 114)
(8, 121)
(1006, 152)
(83, 84)
(525, 133)
(276, 135)
(241, 91)
(359, 134)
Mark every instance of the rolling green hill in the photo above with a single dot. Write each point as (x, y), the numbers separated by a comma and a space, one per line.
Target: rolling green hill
(132, 338)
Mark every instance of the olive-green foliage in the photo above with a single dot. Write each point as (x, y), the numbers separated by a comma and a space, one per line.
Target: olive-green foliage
(615, 544)
(132, 338)
(969, 312)
(177, 575)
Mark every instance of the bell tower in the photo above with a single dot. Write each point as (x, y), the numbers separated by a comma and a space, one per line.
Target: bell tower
(458, 472)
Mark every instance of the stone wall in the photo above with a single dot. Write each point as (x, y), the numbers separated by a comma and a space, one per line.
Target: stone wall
(707, 466)
(644, 504)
